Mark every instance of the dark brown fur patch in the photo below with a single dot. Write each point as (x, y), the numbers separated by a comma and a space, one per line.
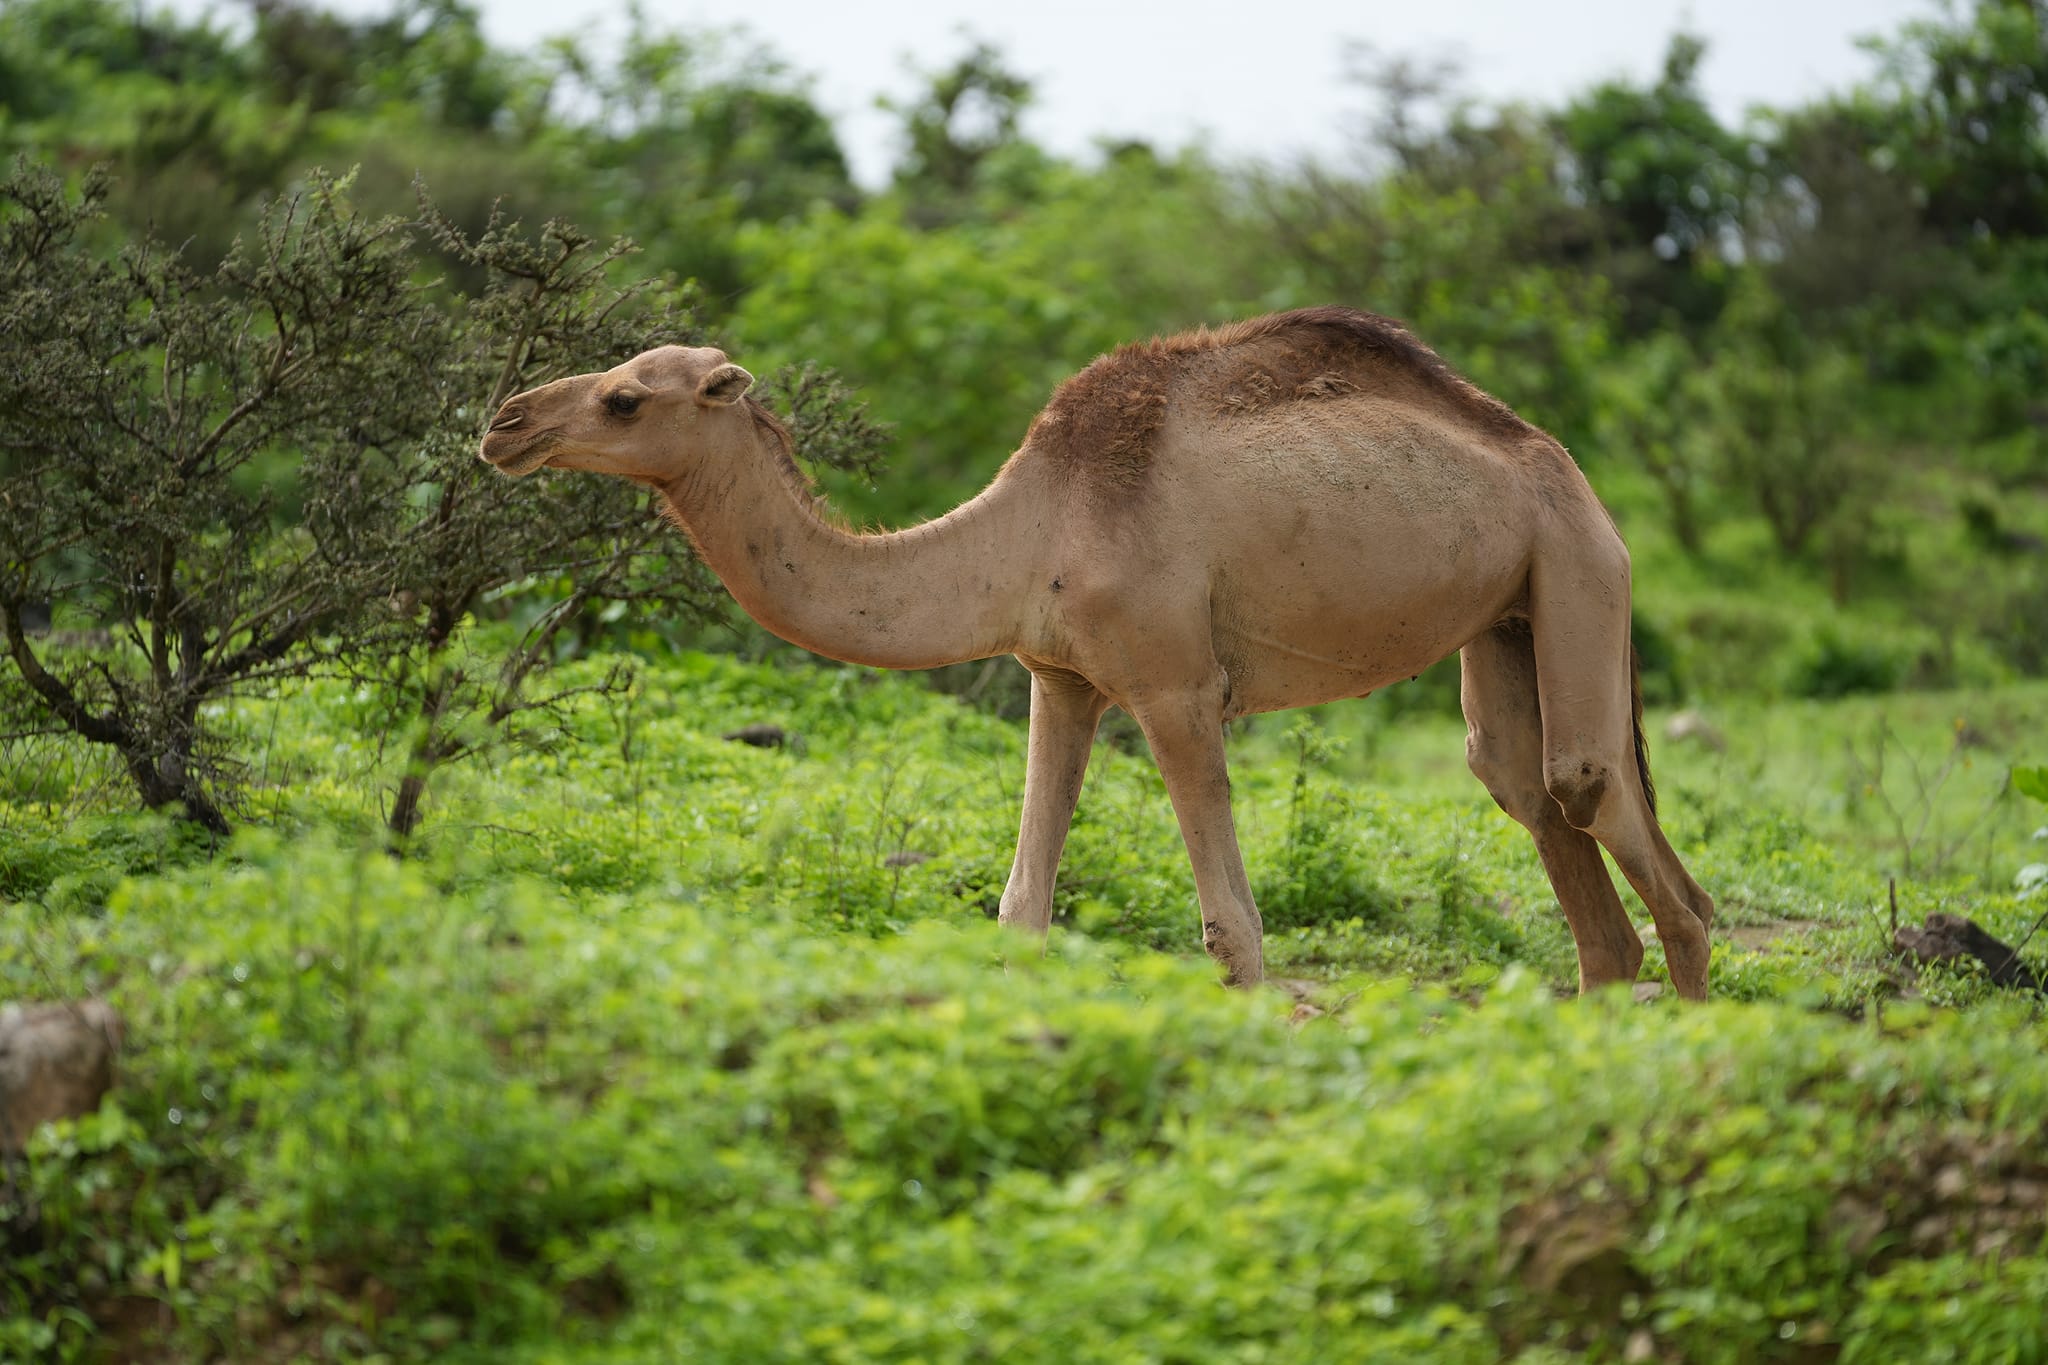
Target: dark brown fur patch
(1108, 416)
(1105, 421)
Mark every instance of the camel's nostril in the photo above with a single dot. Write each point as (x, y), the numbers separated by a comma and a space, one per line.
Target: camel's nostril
(508, 418)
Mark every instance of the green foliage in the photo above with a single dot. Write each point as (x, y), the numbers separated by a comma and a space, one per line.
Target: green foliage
(650, 1048)
(622, 1129)
(967, 115)
(274, 472)
(2032, 782)
(149, 502)
(73, 866)
(687, 139)
(691, 135)
(1320, 875)
(1669, 181)
(1960, 112)
(1834, 667)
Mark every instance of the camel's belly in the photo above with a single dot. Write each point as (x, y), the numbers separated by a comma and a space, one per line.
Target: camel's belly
(1349, 599)
(1273, 667)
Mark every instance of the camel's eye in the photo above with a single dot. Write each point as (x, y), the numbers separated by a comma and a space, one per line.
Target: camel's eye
(623, 404)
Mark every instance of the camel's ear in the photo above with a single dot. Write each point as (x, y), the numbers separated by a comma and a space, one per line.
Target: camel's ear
(726, 384)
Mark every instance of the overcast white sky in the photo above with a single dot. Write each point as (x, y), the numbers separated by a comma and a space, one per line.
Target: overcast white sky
(1252, 79)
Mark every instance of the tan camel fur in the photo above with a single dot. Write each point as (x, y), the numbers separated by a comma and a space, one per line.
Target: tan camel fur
(1282, 512)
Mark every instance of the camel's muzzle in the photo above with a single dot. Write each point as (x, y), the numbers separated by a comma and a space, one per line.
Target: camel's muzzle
(511, 451)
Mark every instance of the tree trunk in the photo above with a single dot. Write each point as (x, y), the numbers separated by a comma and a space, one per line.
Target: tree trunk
(430, 749)
(160, 790)
(406, 811)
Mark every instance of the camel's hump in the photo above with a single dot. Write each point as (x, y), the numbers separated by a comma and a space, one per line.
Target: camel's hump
(1105, 421)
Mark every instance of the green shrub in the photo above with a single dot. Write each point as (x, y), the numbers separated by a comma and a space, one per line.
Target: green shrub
(1319, 873)
(1834, 667)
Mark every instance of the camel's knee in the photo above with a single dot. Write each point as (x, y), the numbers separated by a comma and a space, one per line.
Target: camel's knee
(1702, 906)
(1505, 774)
(1579, 786)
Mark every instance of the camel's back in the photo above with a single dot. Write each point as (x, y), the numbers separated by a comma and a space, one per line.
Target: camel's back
(1107, 428)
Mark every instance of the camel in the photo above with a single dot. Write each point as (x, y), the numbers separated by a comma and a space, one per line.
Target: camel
(1286, 511)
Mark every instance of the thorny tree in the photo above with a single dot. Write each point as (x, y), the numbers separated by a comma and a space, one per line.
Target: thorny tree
(193, 467)
(549, 310)
(268, 471)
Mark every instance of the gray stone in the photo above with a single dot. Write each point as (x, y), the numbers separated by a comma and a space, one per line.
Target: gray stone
(56, 1062)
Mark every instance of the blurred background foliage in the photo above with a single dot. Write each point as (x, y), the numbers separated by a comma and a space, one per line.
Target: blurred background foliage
(1804, 356)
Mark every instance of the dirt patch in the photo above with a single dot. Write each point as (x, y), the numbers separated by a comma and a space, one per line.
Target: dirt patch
(1759, 938)
(1311, 998)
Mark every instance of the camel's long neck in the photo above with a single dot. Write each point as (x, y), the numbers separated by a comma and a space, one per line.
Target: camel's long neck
(951, 589)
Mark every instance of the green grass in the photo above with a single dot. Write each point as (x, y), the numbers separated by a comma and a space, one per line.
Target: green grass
(655, 1050)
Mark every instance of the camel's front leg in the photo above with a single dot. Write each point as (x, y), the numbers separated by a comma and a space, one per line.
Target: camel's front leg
(1065, 709)
(1186, 733)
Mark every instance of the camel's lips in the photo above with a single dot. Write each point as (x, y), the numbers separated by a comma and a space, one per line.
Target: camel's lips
(508, 453)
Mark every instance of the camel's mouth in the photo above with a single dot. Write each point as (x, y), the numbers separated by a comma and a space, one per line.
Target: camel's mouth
(505, 452)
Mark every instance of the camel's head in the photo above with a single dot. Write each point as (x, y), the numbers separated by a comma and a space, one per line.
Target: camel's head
(644, 420)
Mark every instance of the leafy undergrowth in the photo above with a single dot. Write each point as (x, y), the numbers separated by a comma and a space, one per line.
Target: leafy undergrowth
(665, 1048)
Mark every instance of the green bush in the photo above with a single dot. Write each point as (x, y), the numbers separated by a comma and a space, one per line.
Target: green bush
(375, 1113)
(1831, 666)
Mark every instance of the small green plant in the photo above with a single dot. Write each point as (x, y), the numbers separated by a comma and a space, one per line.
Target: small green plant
(2032, 782)
(2032, 876)
(1319, 875)
(1927, 832)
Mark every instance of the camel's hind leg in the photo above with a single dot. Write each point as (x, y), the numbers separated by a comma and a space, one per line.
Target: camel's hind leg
(1504, 745)
(1579, 617)
(1065, 709)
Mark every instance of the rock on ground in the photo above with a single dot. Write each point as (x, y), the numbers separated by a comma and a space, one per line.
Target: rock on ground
(56, 1062)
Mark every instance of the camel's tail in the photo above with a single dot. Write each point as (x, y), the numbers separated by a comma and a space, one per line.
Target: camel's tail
(1635, 700)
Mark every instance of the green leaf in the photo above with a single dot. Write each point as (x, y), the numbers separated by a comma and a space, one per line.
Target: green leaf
(2031, 782)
